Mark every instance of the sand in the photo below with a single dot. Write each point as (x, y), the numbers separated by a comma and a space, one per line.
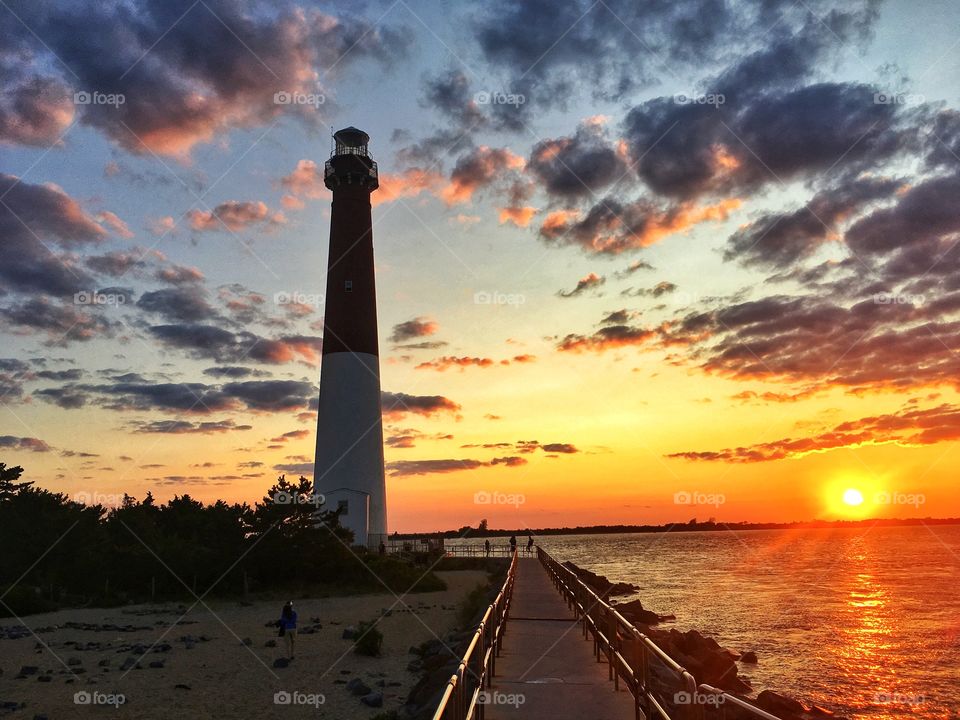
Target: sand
(226, 679)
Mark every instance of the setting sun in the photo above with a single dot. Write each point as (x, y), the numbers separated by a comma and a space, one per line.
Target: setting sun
(853, 497)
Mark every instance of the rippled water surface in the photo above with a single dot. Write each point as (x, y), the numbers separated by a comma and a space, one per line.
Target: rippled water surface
(862, 621)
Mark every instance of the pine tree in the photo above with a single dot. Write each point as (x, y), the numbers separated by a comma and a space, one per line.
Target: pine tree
(8, 481)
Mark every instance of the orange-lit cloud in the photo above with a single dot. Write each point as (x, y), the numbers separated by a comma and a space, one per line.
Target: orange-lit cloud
(519, 216)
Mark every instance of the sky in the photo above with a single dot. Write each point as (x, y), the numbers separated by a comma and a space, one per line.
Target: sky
(636, 262)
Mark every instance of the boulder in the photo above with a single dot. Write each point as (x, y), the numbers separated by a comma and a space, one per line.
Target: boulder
(780, 705)
(749, 657)
(374, 700)
(349, 633)
(358, 687)
(281, 663)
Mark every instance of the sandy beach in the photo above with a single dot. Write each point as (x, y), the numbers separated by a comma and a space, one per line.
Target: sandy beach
(198, 664)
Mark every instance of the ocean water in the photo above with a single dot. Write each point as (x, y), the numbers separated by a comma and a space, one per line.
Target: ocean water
(863, 621)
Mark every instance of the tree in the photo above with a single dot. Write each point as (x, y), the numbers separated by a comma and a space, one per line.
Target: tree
(8, 481)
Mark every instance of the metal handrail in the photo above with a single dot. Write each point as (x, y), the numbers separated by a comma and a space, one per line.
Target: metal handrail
(461, 696)
(635, 659)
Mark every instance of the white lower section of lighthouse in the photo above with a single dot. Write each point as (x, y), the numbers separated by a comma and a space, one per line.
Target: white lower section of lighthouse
(348, 466)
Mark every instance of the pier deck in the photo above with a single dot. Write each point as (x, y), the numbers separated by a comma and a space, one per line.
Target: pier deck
(547, 661)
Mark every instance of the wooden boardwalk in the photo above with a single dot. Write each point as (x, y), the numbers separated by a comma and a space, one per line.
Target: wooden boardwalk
(546, 661)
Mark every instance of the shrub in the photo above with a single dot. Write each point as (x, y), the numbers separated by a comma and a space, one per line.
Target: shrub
(369, 640)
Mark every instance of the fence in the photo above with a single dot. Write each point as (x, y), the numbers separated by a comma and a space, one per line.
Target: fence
(461, 697)
(661, 688)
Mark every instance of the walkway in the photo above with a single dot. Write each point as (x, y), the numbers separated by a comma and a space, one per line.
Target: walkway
(546, 661)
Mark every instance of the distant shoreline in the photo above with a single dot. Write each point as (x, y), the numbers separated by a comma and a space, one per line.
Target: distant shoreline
(690, 526)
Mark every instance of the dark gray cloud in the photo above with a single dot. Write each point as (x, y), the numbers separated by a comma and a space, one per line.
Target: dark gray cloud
(178, 427)
(578, 166)
(34, 221)
(399, 404)
(11, 442)
(415, 328)
(401, 468)
(237, 57)
(186, 303)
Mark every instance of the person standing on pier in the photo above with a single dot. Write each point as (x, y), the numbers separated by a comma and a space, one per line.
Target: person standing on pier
(486, 546)
(513, 543)
(529, 544)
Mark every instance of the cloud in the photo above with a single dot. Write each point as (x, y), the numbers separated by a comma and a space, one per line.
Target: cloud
(33, 219)
(61, 323)
(12, 442)
(907, 428)
(113, 222)
(405, 468)
(34, 110)
(234, 215)
(578, 166)
(179, 275)
(611, 227)
(397, 405)
(187, 303)
(408, 183)
(444, 363)
(267, 396)
(210, 341)
(306, 180)
(588, 282)
(479, 169)
(181, 427)
(415, 328)
(518, 215)
(116, 263)
(609, 337)
(219, 66)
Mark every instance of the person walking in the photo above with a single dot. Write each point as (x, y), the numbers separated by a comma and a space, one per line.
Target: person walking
(513, 543)
(288, 627)
(529, 544)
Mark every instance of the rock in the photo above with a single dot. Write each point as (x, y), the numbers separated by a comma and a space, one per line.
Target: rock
(599, 584)
(777, 704)
(749, 657)
(73, 660)
(26, 670)
(247, 641)
(415, 666)
(128, 664)
(270, 643)
(44, 678)
(358, 687)
(349, 633)
(636, 613)
(281, 663)
(156, 664)
(181, 686)
(374, 700)
(346, 672)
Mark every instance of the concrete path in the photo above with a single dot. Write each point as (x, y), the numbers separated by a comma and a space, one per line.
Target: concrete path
(547, 662)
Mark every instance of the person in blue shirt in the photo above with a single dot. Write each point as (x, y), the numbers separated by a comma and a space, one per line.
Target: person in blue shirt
(288, 626)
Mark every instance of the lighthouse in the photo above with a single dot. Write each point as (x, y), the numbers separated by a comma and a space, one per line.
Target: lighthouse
(348, 465)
